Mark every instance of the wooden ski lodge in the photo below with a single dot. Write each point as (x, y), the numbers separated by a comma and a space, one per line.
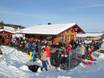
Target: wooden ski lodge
(54, 32)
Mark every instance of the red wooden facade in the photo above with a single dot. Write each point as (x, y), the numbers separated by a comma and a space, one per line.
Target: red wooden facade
(5, 37)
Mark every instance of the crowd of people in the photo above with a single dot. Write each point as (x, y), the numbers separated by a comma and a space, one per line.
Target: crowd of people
(52, 55)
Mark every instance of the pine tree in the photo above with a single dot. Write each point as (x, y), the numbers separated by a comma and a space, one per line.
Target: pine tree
(1, 25)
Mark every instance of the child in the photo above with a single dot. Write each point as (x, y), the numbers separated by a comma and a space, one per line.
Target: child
(44, 59)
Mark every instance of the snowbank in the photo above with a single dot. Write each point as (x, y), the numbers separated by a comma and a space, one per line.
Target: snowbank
(12, 65)
(10, 62)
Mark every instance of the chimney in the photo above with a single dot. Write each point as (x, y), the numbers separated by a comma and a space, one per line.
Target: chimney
(49, 23)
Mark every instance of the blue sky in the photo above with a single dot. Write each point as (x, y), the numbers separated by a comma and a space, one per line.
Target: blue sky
(89, 14)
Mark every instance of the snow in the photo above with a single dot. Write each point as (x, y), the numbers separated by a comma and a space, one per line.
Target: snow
(52, 29)
(90, 35)
(8, 29)
(11, 61)
(24, 67)
(102, 46)
(13, 65)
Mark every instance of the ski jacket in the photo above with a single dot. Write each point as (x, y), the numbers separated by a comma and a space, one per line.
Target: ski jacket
(48, 53)
(43, 56)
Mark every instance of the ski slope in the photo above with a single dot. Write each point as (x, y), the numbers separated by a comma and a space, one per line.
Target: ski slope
(12, 65)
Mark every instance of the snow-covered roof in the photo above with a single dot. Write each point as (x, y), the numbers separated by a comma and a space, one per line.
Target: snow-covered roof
(52, 29)
(90, 35)
(8, 29)
(17, 35)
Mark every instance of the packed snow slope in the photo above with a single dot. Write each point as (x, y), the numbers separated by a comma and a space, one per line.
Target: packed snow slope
(12, 63)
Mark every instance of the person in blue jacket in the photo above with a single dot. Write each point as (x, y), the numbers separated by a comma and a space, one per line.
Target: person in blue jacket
(33, 55)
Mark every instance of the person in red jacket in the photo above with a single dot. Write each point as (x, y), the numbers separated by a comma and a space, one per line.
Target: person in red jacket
(48, 54)
(68, 49)
(44, 59)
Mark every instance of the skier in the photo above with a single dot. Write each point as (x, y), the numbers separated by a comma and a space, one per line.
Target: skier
(30, 55)
(44, 59)
(33, 55)
(48, 54)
